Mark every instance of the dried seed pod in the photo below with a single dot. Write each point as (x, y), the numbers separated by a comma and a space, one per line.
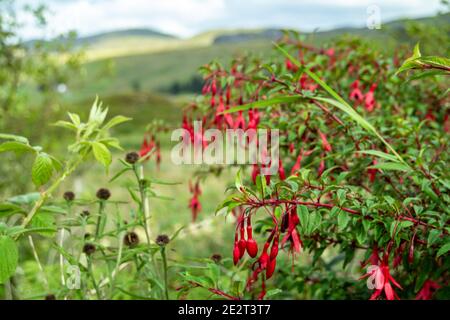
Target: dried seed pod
(103, 194)
(162, 240)
(132, 157)
(69, 196)
(89, 249)
(131, 239)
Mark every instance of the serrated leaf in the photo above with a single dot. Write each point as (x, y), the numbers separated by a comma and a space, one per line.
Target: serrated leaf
(101, 153)
(42, 169)
(9, 258)
(46, 222)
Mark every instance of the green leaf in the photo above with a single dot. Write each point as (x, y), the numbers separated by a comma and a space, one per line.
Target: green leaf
(101, 153)
(238, 181)
(42, 169)
(66, 125)
(443, 250)
(303, 214)
(265, 103)
(390, 166)
(8, 136)
(433, 236)
(45, 221)
(343, 220)
(379, 154)
(437, 62)
(116, 121)
(8, 209)
(9, 258)
(15, 146)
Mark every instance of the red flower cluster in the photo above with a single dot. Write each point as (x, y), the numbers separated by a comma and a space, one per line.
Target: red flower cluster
(368, 99)
(150, 145)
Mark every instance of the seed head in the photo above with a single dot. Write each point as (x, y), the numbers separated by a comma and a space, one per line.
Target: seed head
(50, 297)
(131, 239)
(85, 213)
(103, 194)
(162, 240)
(216, 258)
(89, 249)
(132, 157)
(69, 196)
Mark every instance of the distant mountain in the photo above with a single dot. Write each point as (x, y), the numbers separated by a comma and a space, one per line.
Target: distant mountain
(397, 27)
(116, 35)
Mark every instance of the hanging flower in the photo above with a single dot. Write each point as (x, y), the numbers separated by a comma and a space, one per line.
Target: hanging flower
(381, 281)
(355, 93)
(146, 147)
(369, 98)
(428, 289)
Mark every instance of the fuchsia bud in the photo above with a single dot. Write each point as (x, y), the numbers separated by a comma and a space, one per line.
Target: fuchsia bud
(255, 172)
(228, 95)
(252, 246)
(321, 168)
(297, 165)
(281, 172)
(271, 268)
(325, 144)
(214, 87)
(236, 253)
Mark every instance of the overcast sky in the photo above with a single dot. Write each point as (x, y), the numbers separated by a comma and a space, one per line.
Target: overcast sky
(188, 17)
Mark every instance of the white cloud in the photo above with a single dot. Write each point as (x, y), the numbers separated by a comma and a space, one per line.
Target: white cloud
(187, 17)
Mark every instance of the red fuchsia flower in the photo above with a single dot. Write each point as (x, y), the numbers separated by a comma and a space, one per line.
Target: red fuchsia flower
(219, 116)
(281, 171)
(291, 148)
(372, 172)
(382, 279)
(428, 290)
(355, 93)
(430, 116)
(325, 144)
(447, 123)
(255, 172)
(289, 224)
(214, 87)
(240, 121)
(228, 95)
(322, 167)
(297, 165)
(206, 89)
(369, 98)
(290, 66)
(146, 147)
(251, 245)
(194, 203)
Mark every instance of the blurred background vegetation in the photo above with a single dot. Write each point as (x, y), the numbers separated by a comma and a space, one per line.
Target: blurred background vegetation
(146, 75)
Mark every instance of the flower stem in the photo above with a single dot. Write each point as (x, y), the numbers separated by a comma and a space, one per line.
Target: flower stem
(164, 260)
